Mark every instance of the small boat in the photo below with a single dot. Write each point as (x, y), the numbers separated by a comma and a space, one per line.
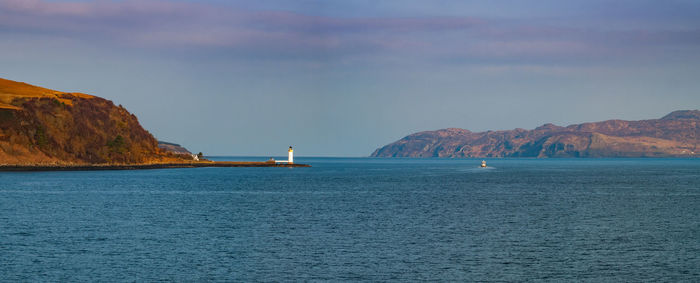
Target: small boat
(483, 163)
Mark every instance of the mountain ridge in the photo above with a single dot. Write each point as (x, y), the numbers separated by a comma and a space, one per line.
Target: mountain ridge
(674, 135)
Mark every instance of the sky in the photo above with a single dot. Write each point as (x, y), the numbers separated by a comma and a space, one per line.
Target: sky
(342, 78)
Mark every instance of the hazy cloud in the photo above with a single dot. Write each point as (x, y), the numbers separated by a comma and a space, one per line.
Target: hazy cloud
(182, 24)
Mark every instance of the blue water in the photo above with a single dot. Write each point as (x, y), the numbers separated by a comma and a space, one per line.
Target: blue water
(358, 219)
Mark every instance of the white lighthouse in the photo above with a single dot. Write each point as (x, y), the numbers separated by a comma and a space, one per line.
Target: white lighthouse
(291, 155)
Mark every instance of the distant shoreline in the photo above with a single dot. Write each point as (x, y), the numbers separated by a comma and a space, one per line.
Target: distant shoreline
(6, 168)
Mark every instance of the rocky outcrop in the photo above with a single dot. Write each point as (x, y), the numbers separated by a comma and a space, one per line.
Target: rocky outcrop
(173, 147)
(43, 126)
(674, 135)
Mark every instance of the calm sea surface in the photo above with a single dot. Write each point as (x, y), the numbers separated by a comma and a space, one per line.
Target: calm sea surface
(358, 219)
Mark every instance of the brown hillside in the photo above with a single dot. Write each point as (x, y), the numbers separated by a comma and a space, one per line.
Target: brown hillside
(43, 126)
(674, 135)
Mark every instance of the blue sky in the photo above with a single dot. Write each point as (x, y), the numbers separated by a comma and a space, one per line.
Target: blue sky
(341, 78)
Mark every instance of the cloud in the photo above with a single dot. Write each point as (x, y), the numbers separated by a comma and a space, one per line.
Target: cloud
(199, 24)
(159, 24)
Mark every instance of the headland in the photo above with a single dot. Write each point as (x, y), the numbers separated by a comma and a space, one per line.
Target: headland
(47, 130)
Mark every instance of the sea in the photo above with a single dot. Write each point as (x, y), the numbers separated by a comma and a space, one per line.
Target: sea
(357, 219)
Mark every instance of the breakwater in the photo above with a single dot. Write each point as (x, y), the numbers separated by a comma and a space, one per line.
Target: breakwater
(91, 167)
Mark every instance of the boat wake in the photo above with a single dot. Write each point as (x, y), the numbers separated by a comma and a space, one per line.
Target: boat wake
(478, 169)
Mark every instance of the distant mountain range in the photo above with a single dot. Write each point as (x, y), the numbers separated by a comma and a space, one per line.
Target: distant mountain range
(674, 135)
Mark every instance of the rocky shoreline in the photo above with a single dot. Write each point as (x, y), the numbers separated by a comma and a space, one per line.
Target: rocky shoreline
(95, 167)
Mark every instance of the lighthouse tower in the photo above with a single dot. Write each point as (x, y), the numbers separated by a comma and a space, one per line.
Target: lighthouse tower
(291, 155)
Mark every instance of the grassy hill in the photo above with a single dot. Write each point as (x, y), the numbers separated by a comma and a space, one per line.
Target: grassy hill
(44, 126)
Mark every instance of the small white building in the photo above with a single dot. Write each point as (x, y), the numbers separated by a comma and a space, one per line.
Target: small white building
(290, 158)
(195, 157)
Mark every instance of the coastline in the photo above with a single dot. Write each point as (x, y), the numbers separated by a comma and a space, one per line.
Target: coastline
(94, 167)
